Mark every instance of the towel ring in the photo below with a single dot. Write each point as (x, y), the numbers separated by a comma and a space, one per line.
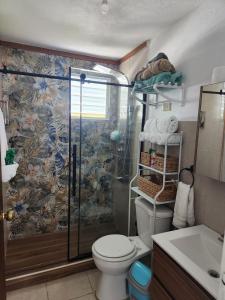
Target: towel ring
(191, 170)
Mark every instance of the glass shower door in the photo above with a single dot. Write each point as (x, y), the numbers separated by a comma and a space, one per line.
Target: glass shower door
(103, 125)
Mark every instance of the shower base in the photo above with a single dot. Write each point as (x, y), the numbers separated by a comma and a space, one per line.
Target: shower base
(37, 252)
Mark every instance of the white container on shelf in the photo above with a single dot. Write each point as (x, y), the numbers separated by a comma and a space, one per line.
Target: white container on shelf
(9, 171)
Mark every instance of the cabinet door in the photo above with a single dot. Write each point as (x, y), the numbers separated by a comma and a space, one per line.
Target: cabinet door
(157, 291)
(175, 280)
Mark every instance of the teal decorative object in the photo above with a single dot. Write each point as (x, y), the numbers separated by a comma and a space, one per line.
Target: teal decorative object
(115, 136)
(10, 155)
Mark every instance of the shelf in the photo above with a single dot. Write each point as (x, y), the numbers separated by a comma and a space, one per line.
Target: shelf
(148, 198)
(159, 89)
(157, 171)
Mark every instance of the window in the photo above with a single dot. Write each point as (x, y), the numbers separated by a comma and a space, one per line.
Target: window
(94, 99)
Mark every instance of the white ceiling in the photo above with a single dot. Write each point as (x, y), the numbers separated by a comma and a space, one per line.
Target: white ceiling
(79, 26)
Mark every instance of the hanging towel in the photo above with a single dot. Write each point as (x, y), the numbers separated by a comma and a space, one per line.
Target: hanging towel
(184, 206)
(3, 139)
(190, 212)
(167, 125)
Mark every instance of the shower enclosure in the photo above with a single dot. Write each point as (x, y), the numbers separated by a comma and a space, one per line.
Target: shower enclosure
(103, 123)
(75, 143)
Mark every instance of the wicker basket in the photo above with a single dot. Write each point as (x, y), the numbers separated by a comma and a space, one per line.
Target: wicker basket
(171, 163)
(151, 188)
(145, 158)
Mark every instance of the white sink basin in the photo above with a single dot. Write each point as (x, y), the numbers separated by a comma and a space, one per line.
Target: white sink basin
(197, 250)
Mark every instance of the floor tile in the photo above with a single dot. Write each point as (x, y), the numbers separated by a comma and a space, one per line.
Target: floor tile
(69, 287)
(36, 292)
(86, 297)
(93, 276)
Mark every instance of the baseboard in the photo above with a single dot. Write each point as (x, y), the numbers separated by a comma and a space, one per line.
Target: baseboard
(18, 282)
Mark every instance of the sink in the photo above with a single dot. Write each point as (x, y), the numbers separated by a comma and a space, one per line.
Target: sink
(198, 251)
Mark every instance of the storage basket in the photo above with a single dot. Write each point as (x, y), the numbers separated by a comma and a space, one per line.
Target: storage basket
(145, 158)
(150, 186)
(171, 163)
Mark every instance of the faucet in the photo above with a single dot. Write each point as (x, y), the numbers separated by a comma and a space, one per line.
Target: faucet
(221, 237)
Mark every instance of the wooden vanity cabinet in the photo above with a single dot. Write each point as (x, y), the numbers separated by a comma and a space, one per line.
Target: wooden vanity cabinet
(170, 281)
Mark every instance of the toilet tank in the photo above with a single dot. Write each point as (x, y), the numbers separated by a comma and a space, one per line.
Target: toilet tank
(144, 216)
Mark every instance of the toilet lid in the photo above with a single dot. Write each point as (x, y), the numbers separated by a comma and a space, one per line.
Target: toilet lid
(114, 246)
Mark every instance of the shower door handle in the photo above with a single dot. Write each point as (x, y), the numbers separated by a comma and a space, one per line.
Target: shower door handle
(74, 170)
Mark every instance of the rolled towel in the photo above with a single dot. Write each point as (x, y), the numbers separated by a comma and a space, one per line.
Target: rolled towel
(157, 57)
(171, 139)
(167, 125)
(149, 124)
(156, 67)
(142, 136)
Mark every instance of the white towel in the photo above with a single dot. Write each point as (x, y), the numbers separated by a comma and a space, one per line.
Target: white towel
(172, 139)
(184, 206)
(3, 139)
(167, 125)
(190, 210)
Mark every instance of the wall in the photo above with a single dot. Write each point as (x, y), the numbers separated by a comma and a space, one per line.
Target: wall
(38, 129)
(195, 45)
(133, 64)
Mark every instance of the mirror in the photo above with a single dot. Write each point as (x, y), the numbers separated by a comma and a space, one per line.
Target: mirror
(210, 156)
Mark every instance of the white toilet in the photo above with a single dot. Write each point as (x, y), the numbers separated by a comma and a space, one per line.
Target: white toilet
(113, 254)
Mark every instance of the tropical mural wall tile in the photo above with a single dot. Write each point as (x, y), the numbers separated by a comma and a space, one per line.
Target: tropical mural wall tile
(39, 131)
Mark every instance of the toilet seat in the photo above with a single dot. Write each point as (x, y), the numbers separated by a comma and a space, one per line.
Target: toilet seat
(114, 247)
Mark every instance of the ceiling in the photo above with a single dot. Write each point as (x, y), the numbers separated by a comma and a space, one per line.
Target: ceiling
(79, 26)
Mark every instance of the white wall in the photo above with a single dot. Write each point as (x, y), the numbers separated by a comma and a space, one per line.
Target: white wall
(132, 65)
(195, 45)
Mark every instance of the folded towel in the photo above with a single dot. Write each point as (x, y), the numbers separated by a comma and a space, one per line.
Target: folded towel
(149, 124)
(142, 137)
(171, 139)
(159, 139)
(184, 208)
(156, 67)
(146, 86)
(157, 57)
(167, 125)
(3, 139)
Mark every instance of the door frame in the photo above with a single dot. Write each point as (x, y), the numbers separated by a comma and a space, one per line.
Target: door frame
(2, 244)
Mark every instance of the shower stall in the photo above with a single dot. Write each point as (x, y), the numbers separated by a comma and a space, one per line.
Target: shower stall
(75, 142)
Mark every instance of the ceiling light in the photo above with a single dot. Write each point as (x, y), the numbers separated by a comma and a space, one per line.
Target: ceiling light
(104, 7)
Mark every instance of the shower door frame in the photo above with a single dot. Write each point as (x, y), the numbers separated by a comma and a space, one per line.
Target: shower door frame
(82, 80)
(2, 243)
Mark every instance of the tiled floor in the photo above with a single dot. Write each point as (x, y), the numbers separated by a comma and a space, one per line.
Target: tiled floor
(80, 286)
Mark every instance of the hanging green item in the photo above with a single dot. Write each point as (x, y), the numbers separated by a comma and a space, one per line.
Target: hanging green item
(10, 155)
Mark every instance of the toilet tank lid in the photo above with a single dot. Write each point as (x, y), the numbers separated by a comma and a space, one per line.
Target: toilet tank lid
(114, 246)
(162, 211)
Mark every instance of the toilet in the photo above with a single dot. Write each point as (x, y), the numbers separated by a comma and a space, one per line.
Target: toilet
(113, 254)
